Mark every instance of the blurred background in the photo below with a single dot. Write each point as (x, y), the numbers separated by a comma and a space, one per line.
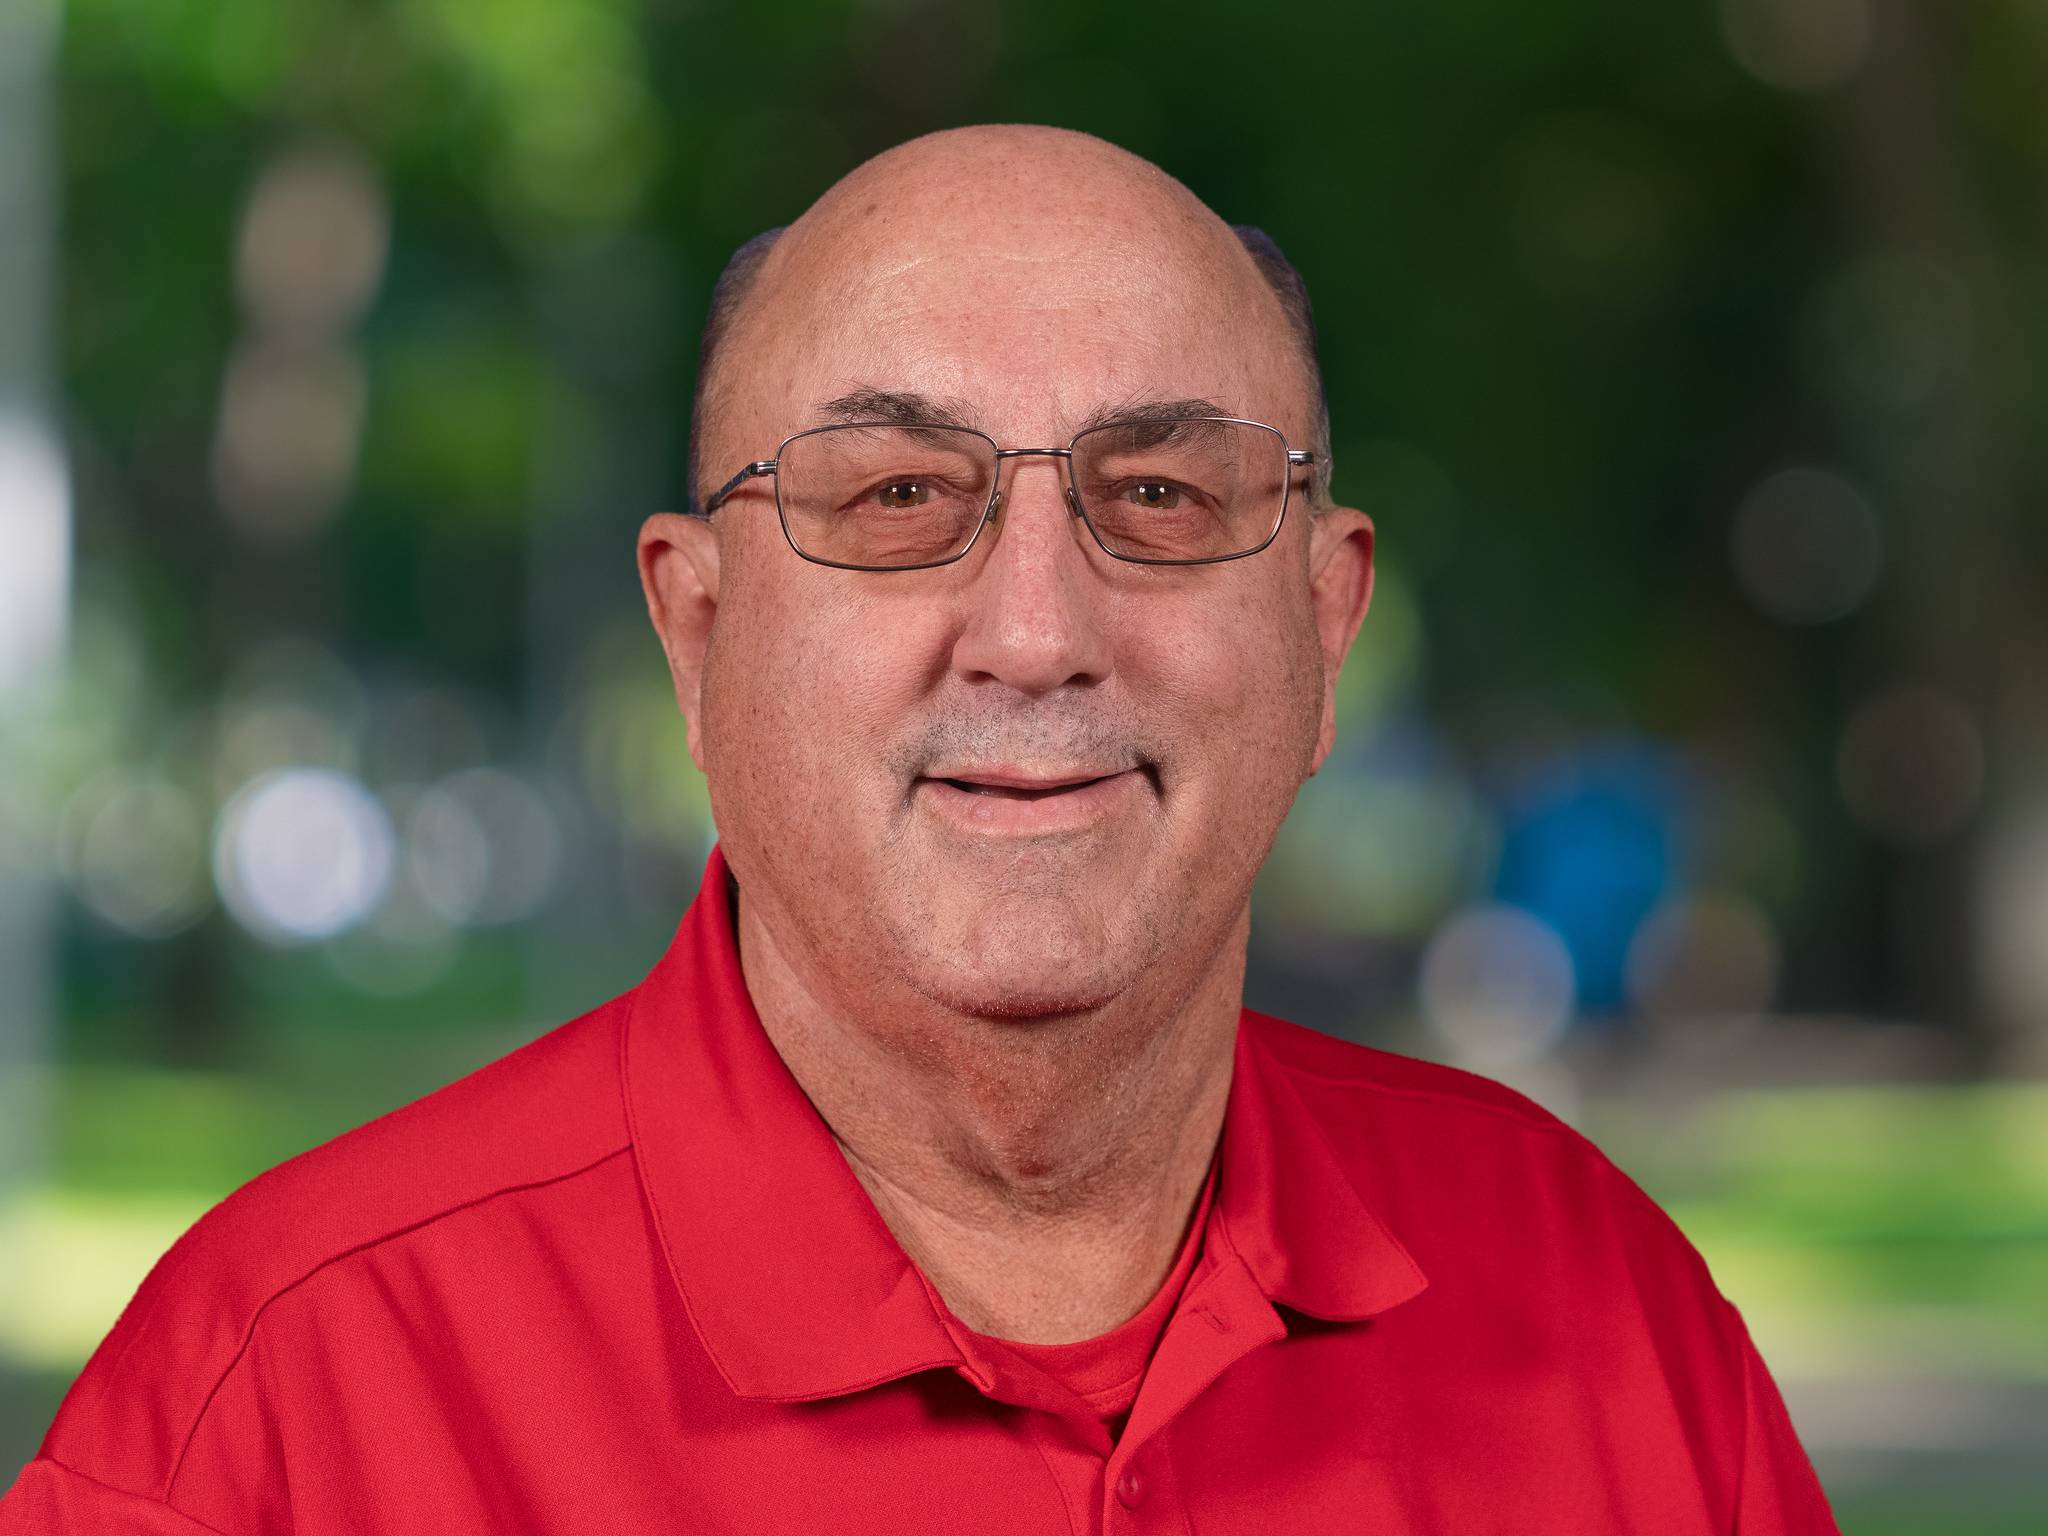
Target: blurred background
(1694, 762)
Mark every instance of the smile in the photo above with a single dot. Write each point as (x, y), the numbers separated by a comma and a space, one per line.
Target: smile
(1027, 791)
(1020, 804)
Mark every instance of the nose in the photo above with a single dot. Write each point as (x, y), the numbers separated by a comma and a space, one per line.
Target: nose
(1037, 608)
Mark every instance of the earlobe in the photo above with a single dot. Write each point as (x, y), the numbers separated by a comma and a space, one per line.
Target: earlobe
(678, 558)
(1340, 588)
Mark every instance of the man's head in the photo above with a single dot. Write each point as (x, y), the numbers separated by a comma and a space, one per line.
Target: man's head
(1038, 780)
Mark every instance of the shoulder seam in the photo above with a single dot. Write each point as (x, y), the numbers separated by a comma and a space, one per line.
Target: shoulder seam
(404, 1111)
(255, 1317)
(1635, 1203)
(1424, 1095)
(1639, 1201)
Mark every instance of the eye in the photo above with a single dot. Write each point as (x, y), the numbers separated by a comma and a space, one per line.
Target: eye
(1153, 495)
(903, 493)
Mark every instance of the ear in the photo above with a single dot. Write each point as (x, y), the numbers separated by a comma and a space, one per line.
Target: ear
(1340, 587)
(679, 573)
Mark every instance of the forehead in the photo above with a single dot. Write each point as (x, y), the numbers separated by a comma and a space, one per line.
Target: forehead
(1032, 301)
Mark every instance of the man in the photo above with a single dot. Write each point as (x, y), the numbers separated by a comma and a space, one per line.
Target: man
(935, 1179)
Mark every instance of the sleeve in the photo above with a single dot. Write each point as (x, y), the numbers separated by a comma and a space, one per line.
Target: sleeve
(1779, 1495)
(49, 1499)
(1761, 1483)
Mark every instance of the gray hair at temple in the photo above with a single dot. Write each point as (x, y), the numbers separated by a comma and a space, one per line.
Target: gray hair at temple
(1288, 285)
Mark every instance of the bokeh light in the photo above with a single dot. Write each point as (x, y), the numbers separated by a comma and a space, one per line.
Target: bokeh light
(1798, 45)
(308, 263)
(1888, 334)
(313, 240)
(135, 849)
(291, 420)
(447, 855)
(1589, 846)
(527, 839)
(302, 854)
(1704, 956)
(2013, 945)
(1384, 842)
(35, 550)
(1806, 546)
(1497, 985)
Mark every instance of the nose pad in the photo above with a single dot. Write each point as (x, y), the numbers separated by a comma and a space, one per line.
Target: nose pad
(995, 505)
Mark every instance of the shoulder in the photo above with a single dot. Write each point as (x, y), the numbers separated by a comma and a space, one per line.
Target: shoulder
(543, 1113)
(1546, 1264)
(1462, 1160)
(1333, 1069)
(539, 1113)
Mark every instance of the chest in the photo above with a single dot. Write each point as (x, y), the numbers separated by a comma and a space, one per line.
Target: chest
(1378, 1428)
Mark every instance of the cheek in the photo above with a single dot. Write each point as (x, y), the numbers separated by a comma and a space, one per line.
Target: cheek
(1241, 694)
(805, 689)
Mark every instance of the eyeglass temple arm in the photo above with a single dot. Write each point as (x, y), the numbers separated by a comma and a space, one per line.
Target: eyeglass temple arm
(752, 471)
(1317, 465)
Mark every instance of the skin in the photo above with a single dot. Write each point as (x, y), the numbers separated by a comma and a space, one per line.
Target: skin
(1017, 1019)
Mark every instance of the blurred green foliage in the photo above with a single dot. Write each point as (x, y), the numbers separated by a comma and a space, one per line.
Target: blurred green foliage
(1587, 275)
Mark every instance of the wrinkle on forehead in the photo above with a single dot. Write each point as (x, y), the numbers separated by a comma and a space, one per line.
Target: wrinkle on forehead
(1115, 262)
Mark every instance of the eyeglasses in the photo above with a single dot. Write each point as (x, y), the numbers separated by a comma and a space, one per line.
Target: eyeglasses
(884, 496)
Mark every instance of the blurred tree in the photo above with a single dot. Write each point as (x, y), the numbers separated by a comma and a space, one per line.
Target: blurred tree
(1588, 277)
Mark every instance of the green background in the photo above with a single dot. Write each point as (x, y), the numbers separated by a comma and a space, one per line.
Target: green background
(1687, 357)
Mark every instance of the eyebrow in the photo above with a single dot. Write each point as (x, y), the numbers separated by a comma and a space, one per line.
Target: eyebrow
(1150, 408)
(896, 407)
(909, 407)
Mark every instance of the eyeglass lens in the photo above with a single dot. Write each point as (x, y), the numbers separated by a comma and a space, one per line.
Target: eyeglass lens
(887, 497)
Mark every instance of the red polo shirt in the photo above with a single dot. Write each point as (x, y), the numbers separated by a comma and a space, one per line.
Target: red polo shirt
(621, 1281)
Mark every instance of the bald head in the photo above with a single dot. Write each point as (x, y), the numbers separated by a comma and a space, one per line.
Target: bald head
(1045, 195)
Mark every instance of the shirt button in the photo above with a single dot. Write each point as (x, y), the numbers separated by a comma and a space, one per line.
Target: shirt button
(1130, 1488)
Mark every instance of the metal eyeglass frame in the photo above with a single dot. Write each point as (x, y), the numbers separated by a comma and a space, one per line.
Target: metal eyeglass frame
(1297, 458)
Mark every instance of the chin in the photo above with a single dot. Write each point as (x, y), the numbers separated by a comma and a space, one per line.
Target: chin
(1015, 969)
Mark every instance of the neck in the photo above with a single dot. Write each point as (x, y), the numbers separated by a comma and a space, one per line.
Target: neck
(1041, 1172)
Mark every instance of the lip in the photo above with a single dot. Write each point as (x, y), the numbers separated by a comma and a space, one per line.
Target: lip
(1008, 801)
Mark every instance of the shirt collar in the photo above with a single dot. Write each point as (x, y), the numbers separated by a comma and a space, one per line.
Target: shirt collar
(1290, 1207)
(796, 1286)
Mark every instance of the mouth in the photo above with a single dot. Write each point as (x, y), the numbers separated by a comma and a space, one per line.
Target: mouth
(1017, 802)
(1022, 788)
